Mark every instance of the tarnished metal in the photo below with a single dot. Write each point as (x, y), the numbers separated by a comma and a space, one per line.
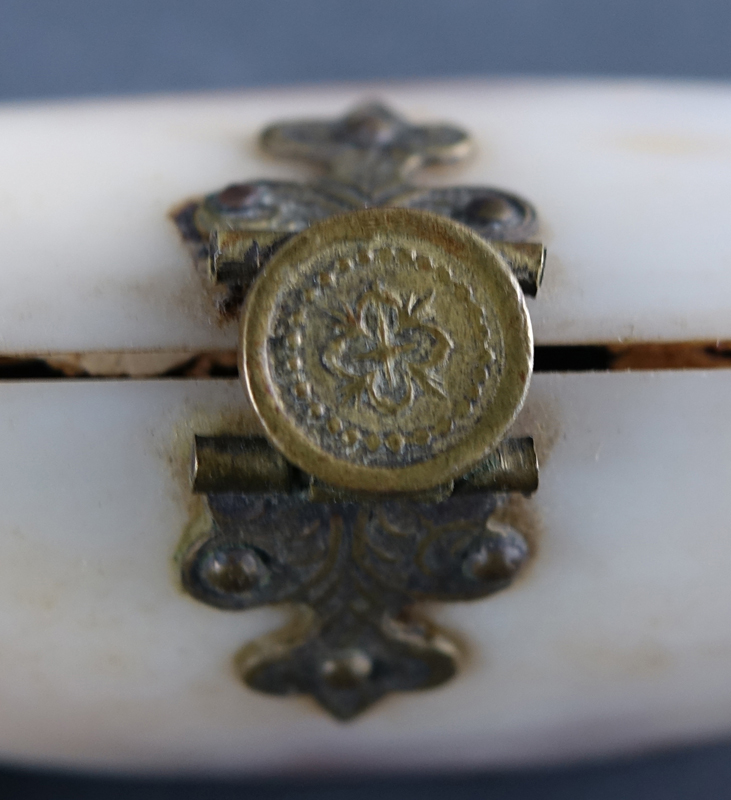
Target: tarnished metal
(386, 349)
(368, 158)
(240, 464)
(354, 570)
(250, 465)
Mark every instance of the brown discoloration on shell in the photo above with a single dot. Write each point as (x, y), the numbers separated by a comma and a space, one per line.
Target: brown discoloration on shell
(123, 364)
(638, 356)
(673, 355)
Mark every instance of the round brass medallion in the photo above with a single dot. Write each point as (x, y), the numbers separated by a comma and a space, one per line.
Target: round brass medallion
(386, 350)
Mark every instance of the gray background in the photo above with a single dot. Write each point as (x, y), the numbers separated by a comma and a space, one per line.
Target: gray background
(54, 48)
(67, 48)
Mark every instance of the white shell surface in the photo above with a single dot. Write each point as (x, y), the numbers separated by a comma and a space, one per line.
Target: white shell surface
(616, 637)
(630, 180)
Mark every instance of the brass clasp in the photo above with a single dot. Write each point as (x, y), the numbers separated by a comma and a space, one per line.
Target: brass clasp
(386, 349)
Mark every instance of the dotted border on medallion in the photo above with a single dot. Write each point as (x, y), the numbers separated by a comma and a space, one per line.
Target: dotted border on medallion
(347, 435)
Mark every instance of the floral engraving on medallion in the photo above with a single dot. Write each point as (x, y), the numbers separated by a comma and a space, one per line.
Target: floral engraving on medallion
(387, 348)
(384, 353)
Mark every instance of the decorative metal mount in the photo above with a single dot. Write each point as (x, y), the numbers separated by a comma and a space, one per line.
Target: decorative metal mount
(386, 350)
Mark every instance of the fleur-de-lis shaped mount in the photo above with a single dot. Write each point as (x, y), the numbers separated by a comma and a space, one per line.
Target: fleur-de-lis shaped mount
(368, 158)
(351, 573)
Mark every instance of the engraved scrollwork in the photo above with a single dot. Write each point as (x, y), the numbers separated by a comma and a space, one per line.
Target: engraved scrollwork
(368, 157)
(353, 573)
